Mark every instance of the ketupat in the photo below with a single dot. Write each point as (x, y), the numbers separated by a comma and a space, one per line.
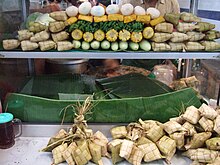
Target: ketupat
(136, 156)
(57, 26)
(172, 18)
(160, 47)
(101, 139)
(195, 36)
(204, 155)
(185, 27)
(204, 26)
(179, 37)
(148, 32)
(96, 153)
(190, 129)
(213, 143)
(210, 45)
(156, 21)
(194, 46)
(124, 35)
(177, 46)
(41, 36)
(164, 27)
(126, 149)
(37, 27)
(24, 35)
(59, 15)
(172, 126)
(114, 147)
(217, 125)
(189, 17)
(179, 137)
(206, 124)
(61, 36)
(191, 115)
(68, 153)
(119, 132)
(155, 133)
(10, 44)
(64, 45)
(161, 37)
(47, 45)
(212, 35)
(88, 37)
(207, 111)
(28, 45)
(58, 153)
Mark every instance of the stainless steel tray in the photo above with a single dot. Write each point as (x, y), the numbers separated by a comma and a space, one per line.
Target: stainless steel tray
(35, 137)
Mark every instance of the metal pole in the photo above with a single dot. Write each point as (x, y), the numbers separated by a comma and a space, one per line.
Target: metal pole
(24, 9)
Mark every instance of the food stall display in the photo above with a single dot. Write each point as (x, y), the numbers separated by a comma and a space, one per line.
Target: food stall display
(116, 29)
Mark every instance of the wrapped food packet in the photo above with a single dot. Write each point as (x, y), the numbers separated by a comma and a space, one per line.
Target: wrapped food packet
(194, 46)
(185, 27)
(172, 18)
(179, 37)
(189, 152)
(41, 36)
(96, 153)
(212, 35)
(179, 84)
(114, 147)
(81, 154)
(59, 15)
(58, 153)
(151, 152)
(119, 132)
(64, 45)
(217, 125)
(206, 124)
(167, 146)
(47, 45)
(135, 131)
(161, 37)
(210, 45)
(192, 115)
(195, 36)
(160, 47)
(207, 111)
(164, 27)
(57, 26)
(126, 149)
(179, 138)
(189, 17)
(204, 26)
(37, 27)
(61, 36)
(155, 133)
(197, 163)
(143, 140)
(136, 156)
(198, 140)
(190, 129)
(213, 143)
(146, 125)
(10, 44)
(24, 35)
(28, 45)
(101, 139)
(204, 155)
(68, 153)
(178, 119)
(176, 47)
(172, 126)
(215, 162)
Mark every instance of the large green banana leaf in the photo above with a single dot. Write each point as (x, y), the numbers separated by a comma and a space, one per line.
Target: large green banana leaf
(160, 107)
(133, 85)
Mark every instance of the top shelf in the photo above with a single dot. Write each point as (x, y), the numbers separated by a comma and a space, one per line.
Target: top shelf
(110, 55)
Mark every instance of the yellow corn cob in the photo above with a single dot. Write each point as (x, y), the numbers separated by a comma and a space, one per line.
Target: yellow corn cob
(143, 18)
(103, 18)
(68, 153)
(41, 36)
(57, 26)
(126, 149)
(59, 15)
(156, 21)
(99, 35)
(148, 32)
(61, 36)
(136, 36)
(77, 34)
(28, 45)
(130, 18)
(115, 17)
(64, 45)
(47, 45)
(96, 152)
(57, 153)
(88, 37)
(124, 35)
(24, 35)
(119, 132)
(10, 44)
(81, 154)
(112, 35)
(71, 20)
(155, 133)
(85, 18)
(37, 27)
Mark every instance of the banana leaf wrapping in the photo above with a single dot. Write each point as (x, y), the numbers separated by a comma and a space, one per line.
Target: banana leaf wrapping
(213, 143)
(172, 18)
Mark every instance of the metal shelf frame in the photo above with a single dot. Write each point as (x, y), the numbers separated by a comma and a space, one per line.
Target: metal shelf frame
(110, 55)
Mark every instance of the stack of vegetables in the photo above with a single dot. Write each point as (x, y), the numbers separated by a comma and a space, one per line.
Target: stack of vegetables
(116, 28)
(196, 132)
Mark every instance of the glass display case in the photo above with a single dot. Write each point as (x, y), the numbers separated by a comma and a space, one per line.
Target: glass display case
(125, 86)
